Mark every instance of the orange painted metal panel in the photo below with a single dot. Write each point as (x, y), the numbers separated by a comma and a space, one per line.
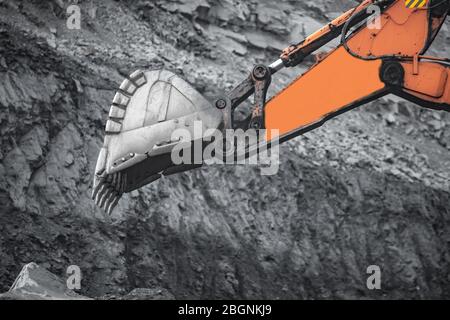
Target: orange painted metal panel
(431, 79)
(339, 80)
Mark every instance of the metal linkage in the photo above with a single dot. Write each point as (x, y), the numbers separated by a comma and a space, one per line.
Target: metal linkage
(257, 83)
(262, 77)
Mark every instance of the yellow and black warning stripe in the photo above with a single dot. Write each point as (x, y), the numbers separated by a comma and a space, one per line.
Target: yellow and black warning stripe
(414, 4)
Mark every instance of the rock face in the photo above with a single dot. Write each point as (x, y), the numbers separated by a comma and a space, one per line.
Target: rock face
(369, 188)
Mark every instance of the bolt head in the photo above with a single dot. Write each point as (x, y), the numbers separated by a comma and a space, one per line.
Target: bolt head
(259, 72)
(221, 104)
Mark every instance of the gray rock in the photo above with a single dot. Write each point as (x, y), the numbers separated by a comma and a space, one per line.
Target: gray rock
(36, 283)
(149, 294)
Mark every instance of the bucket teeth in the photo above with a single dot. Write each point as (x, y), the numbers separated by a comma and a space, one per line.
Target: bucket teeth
(97, 192)
(108, 191)
(112, 204)
(97, 185)
(108, 199)
(100, 193)
(105, 196)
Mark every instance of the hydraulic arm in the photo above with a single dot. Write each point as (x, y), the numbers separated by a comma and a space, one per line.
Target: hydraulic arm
(382, 51)
(382, 56)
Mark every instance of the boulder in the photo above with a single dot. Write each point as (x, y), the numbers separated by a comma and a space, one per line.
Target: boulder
(37, 283)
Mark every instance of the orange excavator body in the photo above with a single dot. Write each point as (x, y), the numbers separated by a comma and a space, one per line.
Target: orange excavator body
(340, 80)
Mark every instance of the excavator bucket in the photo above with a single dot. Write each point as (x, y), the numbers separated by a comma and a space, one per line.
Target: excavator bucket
(148, 107)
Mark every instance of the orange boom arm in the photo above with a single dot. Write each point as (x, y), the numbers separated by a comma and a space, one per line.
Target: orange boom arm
(385, 57)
